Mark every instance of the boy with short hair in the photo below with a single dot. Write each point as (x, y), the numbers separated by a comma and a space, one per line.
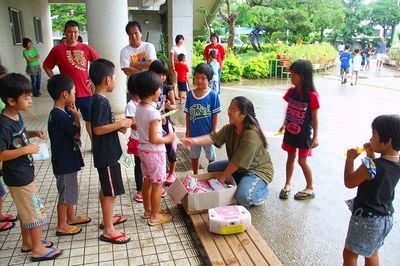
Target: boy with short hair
(357, 59)
(345, 57)
(16, 153)
(107, 148)
(215, 66)
(201, 108)
(66, 158)
(182, 71)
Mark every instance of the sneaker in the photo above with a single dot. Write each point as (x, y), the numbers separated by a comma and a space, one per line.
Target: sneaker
(138, 197)
(170, 179)
(163, 193)
(259, 203)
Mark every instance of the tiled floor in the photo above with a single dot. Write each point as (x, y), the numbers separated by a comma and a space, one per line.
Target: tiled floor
(168, 244)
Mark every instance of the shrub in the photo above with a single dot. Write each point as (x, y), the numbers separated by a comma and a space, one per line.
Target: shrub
(257, 67)
(197, 59)
(232, 69)
(394, 54)
(198, 48)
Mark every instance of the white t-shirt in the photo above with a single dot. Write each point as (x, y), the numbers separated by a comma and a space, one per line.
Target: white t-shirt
(357, 62)
(130, 111)
(145, 114)
(143, 53)
(178, 50)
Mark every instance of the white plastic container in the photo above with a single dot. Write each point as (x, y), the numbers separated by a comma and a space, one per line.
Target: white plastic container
(227, 220)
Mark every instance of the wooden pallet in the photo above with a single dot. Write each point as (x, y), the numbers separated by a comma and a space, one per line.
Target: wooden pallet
(247, 248)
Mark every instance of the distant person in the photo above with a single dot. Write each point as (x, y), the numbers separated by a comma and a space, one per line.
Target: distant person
(215, 66)
(357, 59)
(202, 107)
(369, 51)
(182, 70)
(345, 58)
(175, 51)
(66, 158)
(248, 161)
(33, 69)
(219, 49)
(72, 58)
(380, 53)
(372, 209)
(152, 146)
(107, 149)
(18, 169)
(300, 127)
(138, 55)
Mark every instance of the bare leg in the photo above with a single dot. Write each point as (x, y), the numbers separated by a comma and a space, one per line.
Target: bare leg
(146, 194)
(38, 249)
(62, 211)
(307, 174)
(349, 258)
(373, 260)
(289, 170)
(155, 201)
(195, 166)
(172, 166)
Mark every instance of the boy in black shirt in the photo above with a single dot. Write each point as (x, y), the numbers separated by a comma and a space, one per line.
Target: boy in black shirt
(16, 153)
(107, 149)
(66, 158)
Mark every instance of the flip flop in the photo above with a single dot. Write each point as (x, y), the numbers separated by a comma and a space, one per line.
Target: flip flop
(165, 218)
(162, 211)
(114, 239)
(48, 256)
(284, 194)
(72, 231)
(9, 218)
(82, 220)
(120, 219)
(301, 195)
(6, 226)
(46, 244)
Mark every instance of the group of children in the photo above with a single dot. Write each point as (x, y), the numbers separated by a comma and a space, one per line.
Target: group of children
(151, 130)
(347, 62)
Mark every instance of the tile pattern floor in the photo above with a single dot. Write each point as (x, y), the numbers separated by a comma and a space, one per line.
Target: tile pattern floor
(168, 244)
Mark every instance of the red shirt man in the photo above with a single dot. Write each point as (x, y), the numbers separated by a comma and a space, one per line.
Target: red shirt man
(219, 49)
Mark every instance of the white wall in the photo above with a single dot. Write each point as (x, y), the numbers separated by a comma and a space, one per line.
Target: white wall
(10, 54)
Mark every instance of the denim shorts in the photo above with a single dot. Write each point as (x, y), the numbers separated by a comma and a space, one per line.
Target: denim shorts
(209, 150)
(367, 234)
(84, 104)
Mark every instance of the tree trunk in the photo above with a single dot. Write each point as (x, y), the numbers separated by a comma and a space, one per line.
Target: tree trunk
(392, 34)
(321, 38)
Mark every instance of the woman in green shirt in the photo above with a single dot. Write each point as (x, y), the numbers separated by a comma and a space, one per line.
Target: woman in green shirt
(33, 69)
(248, 161)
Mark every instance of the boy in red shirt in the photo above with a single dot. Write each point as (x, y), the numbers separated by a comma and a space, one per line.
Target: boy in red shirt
(182, 71)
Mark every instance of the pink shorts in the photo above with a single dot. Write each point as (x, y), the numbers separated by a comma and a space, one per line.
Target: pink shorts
(153, 166)
(303, 152)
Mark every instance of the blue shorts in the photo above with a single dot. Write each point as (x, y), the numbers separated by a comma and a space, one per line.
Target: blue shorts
(183, 86)
(208, 149)
(367, 234)
(84, 105)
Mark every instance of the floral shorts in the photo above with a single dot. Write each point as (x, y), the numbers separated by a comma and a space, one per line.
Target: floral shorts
(153, 166)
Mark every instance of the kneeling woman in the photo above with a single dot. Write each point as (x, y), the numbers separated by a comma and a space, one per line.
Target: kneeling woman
(248, 161)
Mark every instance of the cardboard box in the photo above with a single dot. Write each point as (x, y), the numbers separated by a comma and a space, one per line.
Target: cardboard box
(201, 202)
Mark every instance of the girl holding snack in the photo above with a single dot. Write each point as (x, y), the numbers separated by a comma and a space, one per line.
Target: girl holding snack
(248, 161)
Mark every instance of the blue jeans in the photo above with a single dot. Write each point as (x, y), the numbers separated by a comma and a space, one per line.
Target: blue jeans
(251, 189)
(36, 84)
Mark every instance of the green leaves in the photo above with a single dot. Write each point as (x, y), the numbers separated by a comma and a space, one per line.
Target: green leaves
(61, 13)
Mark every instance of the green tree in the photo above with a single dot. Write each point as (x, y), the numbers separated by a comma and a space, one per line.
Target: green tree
(385, 13)
(61, 13)
(228, 14)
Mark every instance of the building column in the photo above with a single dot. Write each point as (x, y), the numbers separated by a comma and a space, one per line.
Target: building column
(180, 21)
(106, 21)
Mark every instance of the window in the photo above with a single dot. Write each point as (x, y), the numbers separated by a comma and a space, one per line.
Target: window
(16, 25)
(37, 23)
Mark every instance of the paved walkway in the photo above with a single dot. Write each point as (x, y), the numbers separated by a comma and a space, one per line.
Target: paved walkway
(168, 244)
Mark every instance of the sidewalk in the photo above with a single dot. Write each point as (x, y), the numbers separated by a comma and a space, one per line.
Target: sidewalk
(168, 244)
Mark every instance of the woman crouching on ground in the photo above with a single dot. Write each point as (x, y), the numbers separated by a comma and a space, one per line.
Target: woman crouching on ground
(248, 161)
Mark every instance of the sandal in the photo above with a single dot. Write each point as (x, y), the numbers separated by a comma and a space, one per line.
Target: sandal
(302, 195)
(114, 239)
(162, 211)
(120, 219)
(6, 226)
(51, 255)
(138, 197)
(284, 194)
(46, 244)
(165, 218)
(82, 220)
(72, 231)
(9, 218)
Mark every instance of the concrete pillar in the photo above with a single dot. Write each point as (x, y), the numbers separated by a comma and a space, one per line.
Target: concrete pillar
(106, 20)
(180, 21)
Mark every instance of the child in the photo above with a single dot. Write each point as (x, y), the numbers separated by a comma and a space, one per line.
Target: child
(356, 66)
(202, 108)
(33, 69)
(133, 143)
(107, 149)
(301, 126)
(166, 103)
(376, 179)
(16, 153)
(182, 71)
(152, 146)
(66, 158)
(345, 57)
(6, 221)
(215, 66)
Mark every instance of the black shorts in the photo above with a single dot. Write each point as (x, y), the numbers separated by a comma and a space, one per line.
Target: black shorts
(111, 180)
(171, 154)
(183, 86)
